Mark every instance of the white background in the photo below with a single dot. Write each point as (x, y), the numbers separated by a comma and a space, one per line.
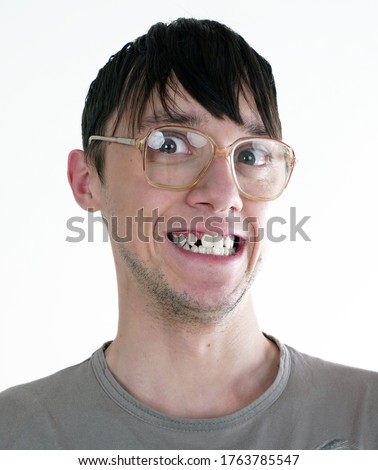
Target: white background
(58, 300)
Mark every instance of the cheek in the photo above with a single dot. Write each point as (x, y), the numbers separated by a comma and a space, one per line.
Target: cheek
(123, 167)
(124, 181)
(135, 210)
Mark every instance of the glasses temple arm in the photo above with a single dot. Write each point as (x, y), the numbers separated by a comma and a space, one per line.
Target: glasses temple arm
(117, 140)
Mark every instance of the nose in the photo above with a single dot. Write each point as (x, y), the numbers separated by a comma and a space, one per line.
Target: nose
(216, 189)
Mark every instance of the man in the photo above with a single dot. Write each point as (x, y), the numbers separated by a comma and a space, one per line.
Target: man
(182, 154)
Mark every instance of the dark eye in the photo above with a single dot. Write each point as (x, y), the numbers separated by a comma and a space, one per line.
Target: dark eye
(247, 156)
(253, 157)
(169, 146)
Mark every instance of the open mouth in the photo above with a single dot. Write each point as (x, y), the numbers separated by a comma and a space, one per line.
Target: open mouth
(206, 244)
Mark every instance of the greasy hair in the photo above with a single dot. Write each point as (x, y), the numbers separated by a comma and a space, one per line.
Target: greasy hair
(210, 61)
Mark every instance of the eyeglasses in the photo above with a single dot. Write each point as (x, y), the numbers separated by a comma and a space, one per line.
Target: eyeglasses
(176, 158)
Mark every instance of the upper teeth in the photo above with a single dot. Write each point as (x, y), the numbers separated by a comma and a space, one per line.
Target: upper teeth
(209, 245)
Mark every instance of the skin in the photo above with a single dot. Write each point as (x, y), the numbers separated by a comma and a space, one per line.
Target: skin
(188, 343)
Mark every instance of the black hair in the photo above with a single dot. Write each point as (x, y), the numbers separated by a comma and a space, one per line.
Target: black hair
(211, 62)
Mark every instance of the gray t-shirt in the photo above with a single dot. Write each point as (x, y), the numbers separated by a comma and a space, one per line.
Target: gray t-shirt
(312, 404)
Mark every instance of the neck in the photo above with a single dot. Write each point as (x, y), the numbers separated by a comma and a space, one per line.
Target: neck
(198, 372)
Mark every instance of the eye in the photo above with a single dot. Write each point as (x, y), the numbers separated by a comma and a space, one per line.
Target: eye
(253, 157)
(169, 144)
(172, 145)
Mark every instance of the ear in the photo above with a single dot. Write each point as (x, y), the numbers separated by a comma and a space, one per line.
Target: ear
(84, 181)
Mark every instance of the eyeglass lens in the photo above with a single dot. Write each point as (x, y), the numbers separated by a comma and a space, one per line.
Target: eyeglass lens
(176, 157)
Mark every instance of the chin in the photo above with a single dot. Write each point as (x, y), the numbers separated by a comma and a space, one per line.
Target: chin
(200, 308)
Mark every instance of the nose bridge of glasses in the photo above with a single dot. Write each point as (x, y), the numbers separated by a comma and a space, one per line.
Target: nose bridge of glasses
(220, 153)
(223, 152)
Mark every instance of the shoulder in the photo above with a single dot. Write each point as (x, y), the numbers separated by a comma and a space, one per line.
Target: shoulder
(27, 409)
(332, 403)
(315, 366)
(329, 379)
(46, 386)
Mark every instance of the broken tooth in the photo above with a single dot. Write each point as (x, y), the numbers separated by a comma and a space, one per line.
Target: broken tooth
(191, 239)
(194, 249)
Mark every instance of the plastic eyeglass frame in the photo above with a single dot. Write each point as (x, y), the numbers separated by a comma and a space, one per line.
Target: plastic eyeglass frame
(225, 152)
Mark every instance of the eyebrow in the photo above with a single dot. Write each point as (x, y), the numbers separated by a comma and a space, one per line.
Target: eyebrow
(251, 128)
(190, 120)
(255, 128)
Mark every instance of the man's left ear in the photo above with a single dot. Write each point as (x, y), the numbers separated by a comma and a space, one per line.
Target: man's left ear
(84, 181)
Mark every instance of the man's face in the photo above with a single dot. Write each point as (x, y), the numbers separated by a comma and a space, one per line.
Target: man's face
(185, 286)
